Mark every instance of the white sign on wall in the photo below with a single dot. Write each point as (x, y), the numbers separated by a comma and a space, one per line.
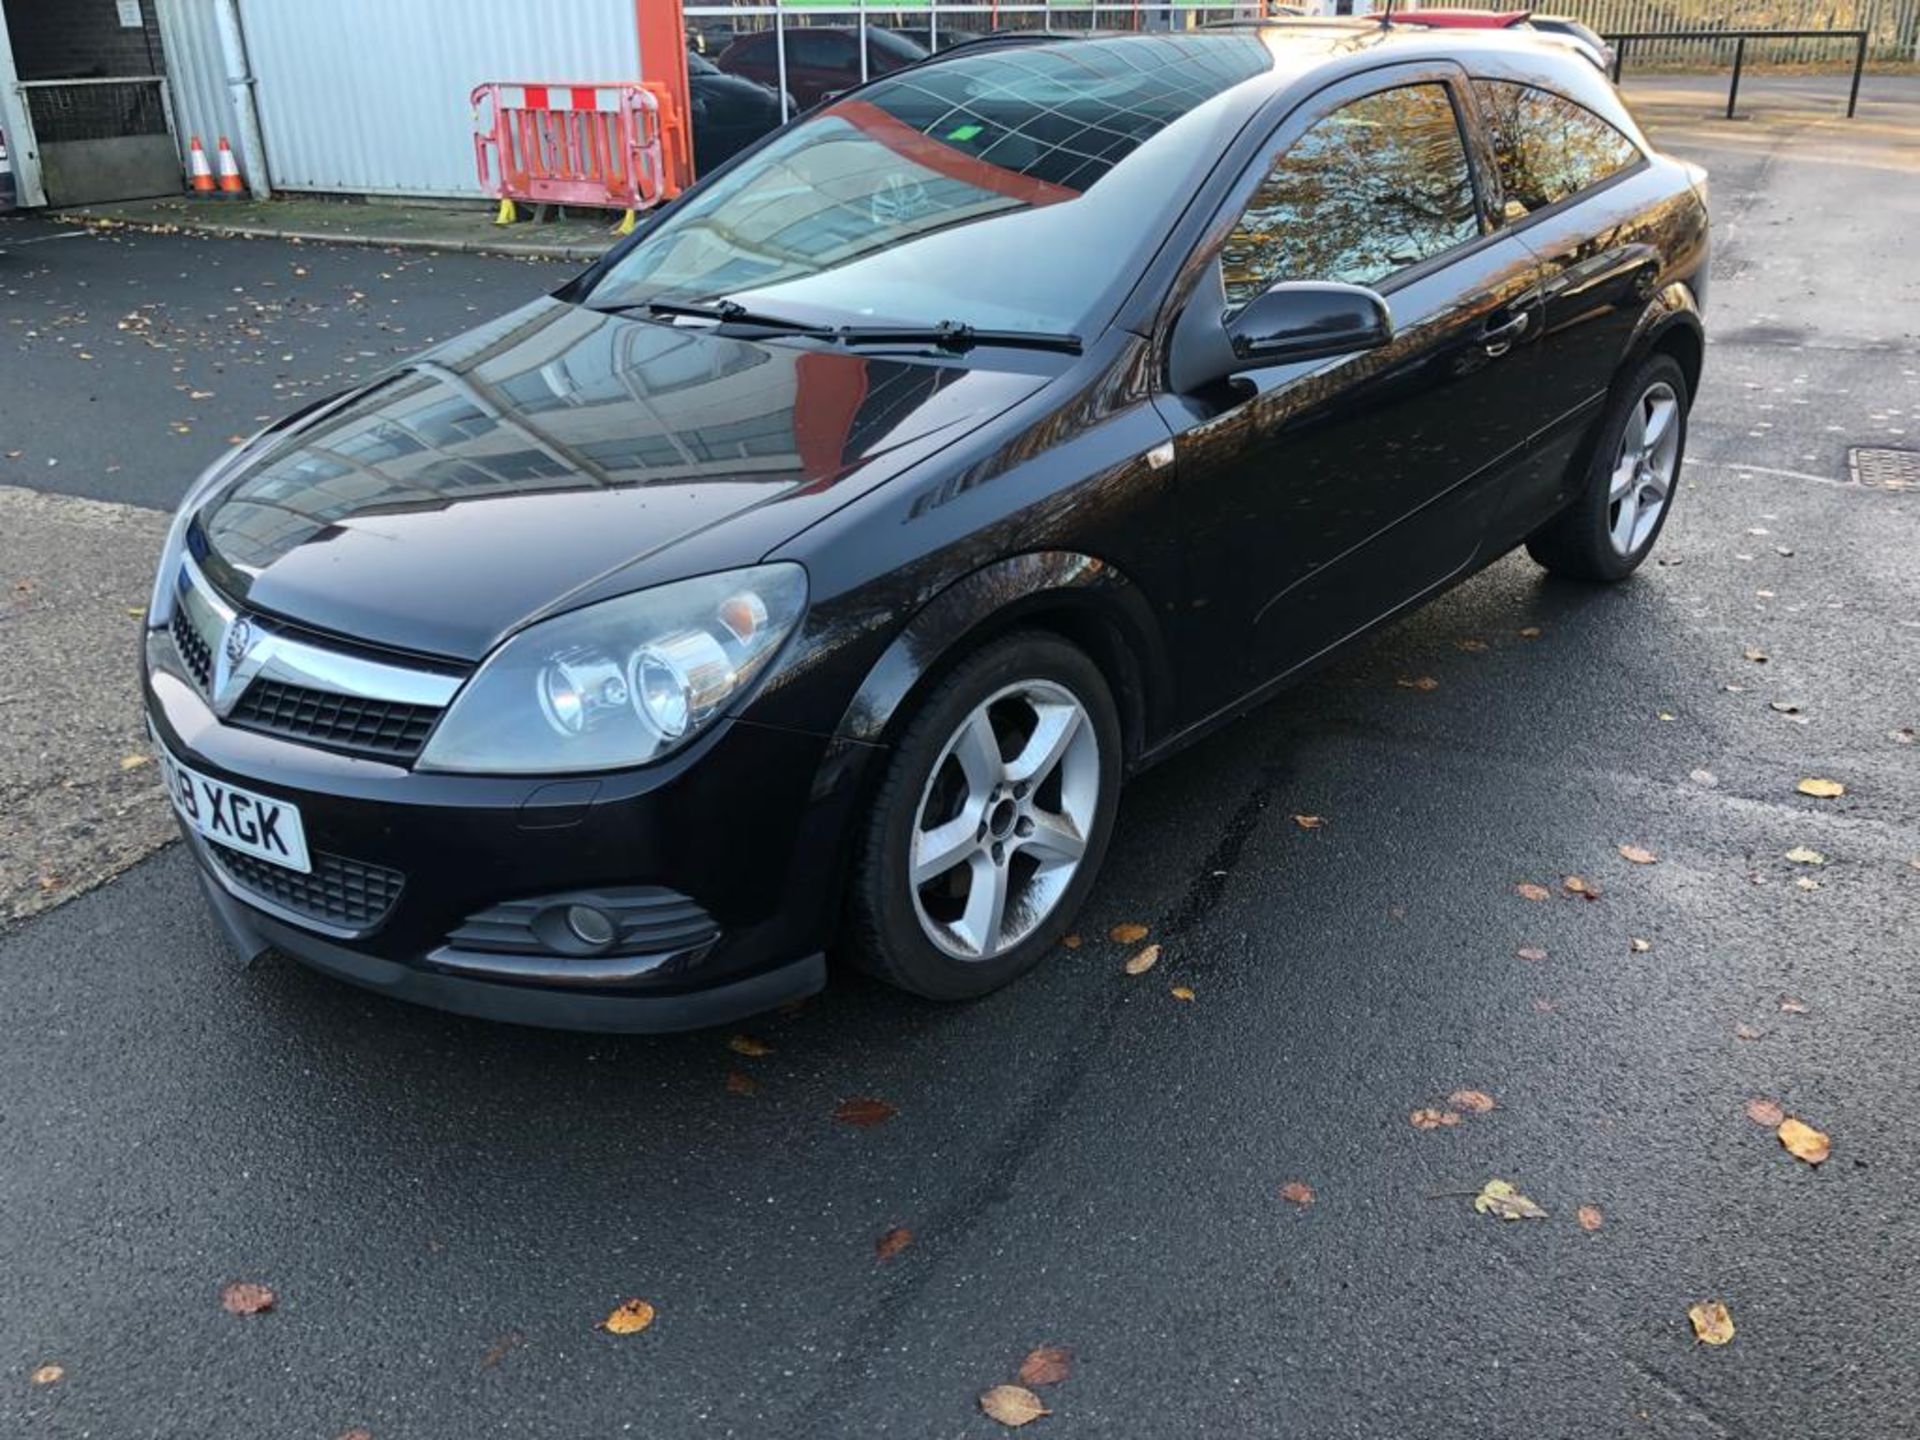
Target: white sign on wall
(130, 15)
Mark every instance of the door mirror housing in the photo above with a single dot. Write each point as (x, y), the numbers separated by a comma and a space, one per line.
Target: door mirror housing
(1308, 320)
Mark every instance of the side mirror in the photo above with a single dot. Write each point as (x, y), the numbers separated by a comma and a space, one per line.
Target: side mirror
(1309, 320)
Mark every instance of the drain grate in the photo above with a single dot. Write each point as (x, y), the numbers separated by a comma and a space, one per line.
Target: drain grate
(1884, 469)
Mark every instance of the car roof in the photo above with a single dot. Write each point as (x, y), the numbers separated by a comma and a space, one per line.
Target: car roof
(1307, 53)
(1325, 46)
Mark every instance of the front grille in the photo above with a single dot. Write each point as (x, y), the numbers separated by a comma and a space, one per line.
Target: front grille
(193, 650)
(384, 728)
(338, 891)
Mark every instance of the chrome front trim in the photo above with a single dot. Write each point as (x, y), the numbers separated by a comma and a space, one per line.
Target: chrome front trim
(263, 652)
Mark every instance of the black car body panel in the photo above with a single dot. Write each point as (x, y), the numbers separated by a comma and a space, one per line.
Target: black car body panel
(1203, 542)
(558, 454)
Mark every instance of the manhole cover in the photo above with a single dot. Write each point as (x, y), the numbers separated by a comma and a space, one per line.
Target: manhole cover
(1884, 469)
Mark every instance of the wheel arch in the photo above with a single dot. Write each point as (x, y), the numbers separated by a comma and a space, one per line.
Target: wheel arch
(1080, 597)
(1671, 325)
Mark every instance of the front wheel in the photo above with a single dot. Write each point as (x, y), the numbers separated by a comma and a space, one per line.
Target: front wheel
(991, 821)
(1610, 529)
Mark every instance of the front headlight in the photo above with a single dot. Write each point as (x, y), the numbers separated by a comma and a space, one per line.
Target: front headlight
(622, 682)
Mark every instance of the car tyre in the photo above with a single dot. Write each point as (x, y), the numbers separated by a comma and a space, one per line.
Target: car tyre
(1009, 764)
(1605, 533)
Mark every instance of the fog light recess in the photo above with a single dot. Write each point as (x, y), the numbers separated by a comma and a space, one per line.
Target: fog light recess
(591, 927)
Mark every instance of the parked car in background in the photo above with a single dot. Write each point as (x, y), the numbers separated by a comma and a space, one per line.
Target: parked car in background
(822, 60)
(810, 573)
(9, 194)
(730, 112)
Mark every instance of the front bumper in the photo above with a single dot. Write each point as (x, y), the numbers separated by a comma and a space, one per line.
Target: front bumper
(732, 825)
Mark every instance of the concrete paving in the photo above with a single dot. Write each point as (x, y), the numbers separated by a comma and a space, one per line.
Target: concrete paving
(445, 1209)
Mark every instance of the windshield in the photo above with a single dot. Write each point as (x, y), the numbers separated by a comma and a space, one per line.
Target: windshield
(1008, 190)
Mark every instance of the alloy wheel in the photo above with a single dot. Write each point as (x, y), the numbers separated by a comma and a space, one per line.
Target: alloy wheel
(1643, 472)
(1004, 818)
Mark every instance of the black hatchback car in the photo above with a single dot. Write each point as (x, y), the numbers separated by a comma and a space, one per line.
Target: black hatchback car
(809, 574)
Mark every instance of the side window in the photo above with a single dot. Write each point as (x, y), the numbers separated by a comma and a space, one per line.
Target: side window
(1547, 147)
(1378, 185)
(824, 48)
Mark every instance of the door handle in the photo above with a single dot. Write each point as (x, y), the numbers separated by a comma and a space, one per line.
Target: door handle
(1498, 339)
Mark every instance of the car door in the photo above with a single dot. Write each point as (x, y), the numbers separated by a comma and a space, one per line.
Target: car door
(1321, 496)
(1576, 192)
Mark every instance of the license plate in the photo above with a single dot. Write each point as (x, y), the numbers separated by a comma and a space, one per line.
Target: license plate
(240, 819)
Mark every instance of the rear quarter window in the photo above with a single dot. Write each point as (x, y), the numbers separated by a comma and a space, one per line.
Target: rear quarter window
(1548, 147)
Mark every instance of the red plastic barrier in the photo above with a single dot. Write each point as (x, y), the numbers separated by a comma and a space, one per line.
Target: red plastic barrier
(572, 144)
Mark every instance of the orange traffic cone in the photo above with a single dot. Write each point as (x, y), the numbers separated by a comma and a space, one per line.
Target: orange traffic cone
(197, 168)
(232, 187)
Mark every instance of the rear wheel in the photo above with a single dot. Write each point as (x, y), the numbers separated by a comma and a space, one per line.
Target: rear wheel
(991, 821)
(1610, 529)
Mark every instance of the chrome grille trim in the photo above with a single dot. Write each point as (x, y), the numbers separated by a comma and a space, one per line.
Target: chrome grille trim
(204, 622)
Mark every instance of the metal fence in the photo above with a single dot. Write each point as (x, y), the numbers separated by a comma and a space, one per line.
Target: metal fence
(1892, 26)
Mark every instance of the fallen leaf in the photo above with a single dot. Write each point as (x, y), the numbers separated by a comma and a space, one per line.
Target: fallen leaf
(1637, 855)
(747, 1045)
(1581, 886)
(1544, 1006)
(1803, 1141)
(738, 1084)
(1531, 952)
(864, 1111)
(47, 1375)
(1821, 789)
(358, 1432)
(1784, 707)
(1747, 1032)
(629, 1317)
(1765, 1112)
(1012, 1405)
(1181, 992)
(1531, 891)
(1471, 646)
(1806, 855)
(1422, 683)
(1703, 777)
(1127, 934)
(1639, 946)
(1903, 736)
(244, 1297)
(1144, 961)
(134, 762)
(1529, 632)
(1046, 1365)
(1308, 822)
(1590, 1217)
(1298, 1191)
(1806, 882)
(1755, 654)
(1790, 1006)
(1427, 1118)
(200, 394)
(1477, 1102)
(892, 1243)
(1071, 942)
(1712, 1325)
(1499, 1198)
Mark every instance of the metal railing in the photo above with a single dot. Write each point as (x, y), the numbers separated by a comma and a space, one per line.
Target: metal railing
(1740, 38)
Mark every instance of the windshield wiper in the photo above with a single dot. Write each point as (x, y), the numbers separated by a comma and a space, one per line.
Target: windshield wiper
(949, 335)
(955, 336)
